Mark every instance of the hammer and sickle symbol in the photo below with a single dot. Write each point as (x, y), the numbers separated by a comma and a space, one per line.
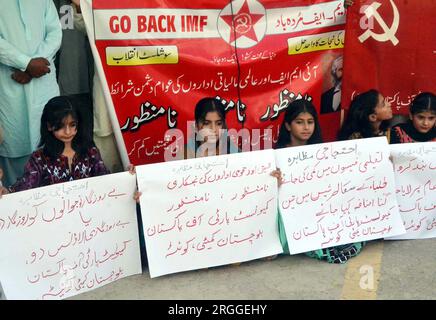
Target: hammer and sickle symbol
(243, 23)
(389, 33)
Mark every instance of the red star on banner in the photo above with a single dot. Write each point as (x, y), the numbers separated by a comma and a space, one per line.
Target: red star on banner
(242, 24)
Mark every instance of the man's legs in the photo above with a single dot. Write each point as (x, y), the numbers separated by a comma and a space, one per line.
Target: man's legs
(109, 152)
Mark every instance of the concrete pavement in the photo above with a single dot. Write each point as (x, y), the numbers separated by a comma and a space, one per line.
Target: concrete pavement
(402, 269)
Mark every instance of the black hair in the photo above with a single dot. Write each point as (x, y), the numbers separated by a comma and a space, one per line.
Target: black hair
(202, 108)
(53, 116)
(292, 111)
(206, 105)
(362, 106)
(425, 101)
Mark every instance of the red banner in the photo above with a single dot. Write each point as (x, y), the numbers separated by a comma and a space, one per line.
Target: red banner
(255, 56)
(391, 47)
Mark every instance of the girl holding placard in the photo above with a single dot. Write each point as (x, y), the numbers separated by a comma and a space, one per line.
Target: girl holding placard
(67, 152)
(422, 122)
(301, 127)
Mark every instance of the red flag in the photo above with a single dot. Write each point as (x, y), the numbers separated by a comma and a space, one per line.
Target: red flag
(390, 46)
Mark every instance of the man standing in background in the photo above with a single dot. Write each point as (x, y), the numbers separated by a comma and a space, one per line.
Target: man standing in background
(74, 63)
(103, 132)
(30, 36)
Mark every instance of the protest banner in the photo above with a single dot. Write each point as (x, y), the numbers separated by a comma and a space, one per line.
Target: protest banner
(337, 193)
(158, 59)
(415, 177)
(65, 239)
(209, 211)
(390, 47)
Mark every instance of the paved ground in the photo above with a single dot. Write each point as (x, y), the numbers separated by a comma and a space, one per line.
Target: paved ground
(384, 270)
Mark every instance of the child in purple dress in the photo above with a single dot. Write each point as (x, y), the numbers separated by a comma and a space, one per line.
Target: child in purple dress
(67, 151)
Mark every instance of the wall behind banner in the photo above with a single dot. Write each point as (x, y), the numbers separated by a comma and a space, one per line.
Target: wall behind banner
(255, 56)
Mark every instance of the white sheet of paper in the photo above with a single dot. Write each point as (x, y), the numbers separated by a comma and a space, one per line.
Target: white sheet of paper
(66, 239)
(337, 193)
(209, 211)
(415, 176)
